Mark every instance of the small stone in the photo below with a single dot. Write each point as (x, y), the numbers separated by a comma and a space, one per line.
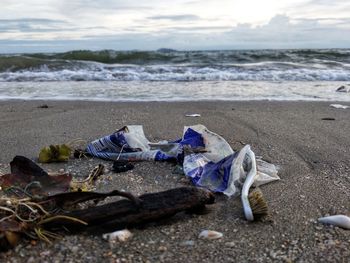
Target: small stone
(74, 249)
(188, 243)
(61, 170)
(45, 253)
(162, 248)
(230, 244)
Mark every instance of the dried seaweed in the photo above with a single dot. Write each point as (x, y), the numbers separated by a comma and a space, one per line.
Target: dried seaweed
(28, 179)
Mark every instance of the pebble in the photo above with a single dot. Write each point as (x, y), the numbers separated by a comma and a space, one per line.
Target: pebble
(45, 253)
(188, 243)
(230, 244)
(74, 249)
(162, 248)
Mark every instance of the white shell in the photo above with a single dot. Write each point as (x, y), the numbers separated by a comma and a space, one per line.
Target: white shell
(121, 235)
(210, 234)
(337, 220)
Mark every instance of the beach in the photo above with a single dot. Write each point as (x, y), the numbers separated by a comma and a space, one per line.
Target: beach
(312, 155)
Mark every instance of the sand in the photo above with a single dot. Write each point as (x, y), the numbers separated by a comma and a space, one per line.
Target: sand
(313, 156)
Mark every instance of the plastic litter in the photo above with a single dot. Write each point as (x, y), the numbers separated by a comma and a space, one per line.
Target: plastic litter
(193, 115)
(343, 89)
(339, 106)
(128, 144)
(121, 166)
(207, 159)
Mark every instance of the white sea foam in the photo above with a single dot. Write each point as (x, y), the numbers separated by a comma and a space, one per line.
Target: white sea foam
(174, 90)
(262, 72)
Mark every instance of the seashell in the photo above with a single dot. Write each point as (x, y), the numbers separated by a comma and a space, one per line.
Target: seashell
(210, 235)
(120, 235)
(336, 220)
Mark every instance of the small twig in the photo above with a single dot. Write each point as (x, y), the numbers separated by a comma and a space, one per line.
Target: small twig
(75, 142)
(47, 220)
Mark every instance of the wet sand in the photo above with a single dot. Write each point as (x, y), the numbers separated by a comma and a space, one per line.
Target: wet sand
(313, 156)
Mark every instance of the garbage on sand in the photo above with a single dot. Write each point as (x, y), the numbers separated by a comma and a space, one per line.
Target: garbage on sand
(207, 159)
(343, 89)
(193, 115)
(122, 166)
(339, 106)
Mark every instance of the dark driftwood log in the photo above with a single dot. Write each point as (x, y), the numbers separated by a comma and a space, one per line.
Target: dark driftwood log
(125, 213)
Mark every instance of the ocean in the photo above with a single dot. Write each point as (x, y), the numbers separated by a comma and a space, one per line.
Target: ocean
(169, 75)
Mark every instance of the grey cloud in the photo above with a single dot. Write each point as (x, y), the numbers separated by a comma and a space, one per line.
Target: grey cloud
(279, 32)
(32, 20)
(94, 6)
(31, 25)
(175, 17)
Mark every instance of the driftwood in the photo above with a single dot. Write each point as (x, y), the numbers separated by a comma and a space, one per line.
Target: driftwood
(127, 213)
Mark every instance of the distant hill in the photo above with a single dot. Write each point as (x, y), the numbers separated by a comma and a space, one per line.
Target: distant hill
(166, 50)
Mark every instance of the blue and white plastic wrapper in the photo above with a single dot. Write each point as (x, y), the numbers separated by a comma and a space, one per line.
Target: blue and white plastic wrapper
(222, 170)
(218, 168)
(226, 176)
(129, 144)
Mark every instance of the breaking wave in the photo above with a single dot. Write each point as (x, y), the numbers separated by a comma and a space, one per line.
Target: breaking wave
(170, 65)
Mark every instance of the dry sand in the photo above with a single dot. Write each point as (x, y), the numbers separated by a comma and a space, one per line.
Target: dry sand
(313, 156)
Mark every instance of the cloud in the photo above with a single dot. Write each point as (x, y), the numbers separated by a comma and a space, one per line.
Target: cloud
(281, 31)
(31, 25)
(175, 17)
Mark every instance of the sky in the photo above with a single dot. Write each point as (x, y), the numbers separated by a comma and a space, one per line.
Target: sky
(62, 25)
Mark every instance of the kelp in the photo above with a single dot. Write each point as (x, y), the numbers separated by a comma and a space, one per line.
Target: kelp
(48, 217)
(28, 179)
(87, 184)
(55, 153)
(58, 152)
(25, 217)
(40, 206)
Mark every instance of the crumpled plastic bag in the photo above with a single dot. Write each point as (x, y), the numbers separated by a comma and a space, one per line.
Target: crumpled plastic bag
(206, 157)
(129, 144)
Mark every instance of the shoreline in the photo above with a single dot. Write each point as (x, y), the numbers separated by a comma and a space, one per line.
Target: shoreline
(311, 153)
(129, 91)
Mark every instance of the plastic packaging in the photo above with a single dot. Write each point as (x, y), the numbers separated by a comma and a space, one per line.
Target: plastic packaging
(206, 157)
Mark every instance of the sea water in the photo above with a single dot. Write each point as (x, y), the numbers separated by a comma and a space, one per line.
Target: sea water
(177, 75)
